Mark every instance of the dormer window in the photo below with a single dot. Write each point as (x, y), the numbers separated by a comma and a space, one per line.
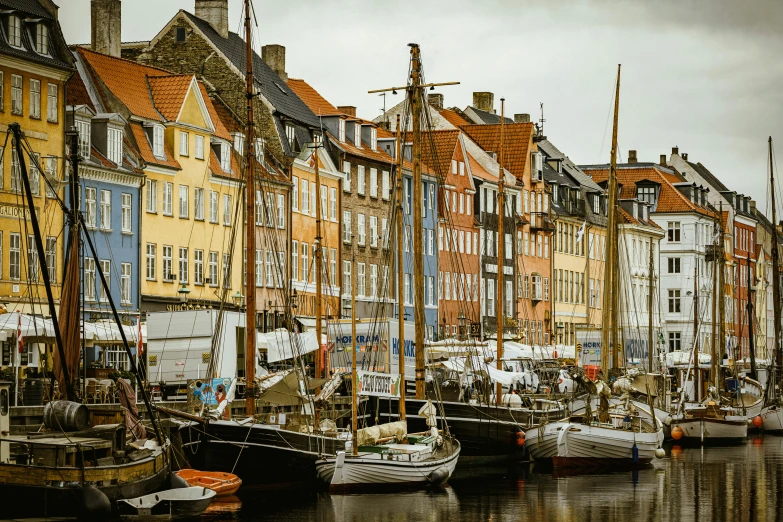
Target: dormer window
(15, 31)
(225, 157)
(260, 145)
(290, 134)
(646, 194)
(596, 204)
(239, 143)
(42, 39)
(357, 134)
(341, 131)
(157, 142)
(554, 192)
(374, 138)
(114, 148)
(83, 127)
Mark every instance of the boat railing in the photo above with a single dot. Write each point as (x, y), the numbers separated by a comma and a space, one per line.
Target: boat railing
(52, 453)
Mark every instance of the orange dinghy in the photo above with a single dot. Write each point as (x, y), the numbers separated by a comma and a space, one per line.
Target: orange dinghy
(221, 483)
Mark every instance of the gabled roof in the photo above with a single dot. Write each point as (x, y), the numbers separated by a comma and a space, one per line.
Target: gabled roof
(317, 103)
(516, 142)
(282, 98)
(670, 199)
(549, 148)
(453, 117)
(709, 177)
(438, 148)
(220, 130)
(76, 93)
(168, 93)
(58, 56)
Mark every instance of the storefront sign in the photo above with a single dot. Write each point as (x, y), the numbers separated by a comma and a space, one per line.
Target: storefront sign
(378, 384)
(14, 211)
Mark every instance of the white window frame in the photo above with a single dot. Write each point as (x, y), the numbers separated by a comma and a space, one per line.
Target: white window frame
(199, 147)
(126, 275)
(184, 203)
(35, 98)
(105, 210)
(184, 142)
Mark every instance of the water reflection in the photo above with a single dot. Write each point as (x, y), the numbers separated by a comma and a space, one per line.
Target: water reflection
(736, 483)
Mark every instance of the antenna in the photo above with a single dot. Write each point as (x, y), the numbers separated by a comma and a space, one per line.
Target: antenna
(542, 120)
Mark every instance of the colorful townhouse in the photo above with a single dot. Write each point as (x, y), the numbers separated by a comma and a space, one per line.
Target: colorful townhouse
(34, 68)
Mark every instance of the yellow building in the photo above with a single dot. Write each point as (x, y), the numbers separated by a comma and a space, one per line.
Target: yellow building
(192, 198)
(34, 67)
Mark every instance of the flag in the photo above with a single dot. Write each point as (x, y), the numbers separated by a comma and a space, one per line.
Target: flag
(312, 160)
(580, 232)
(19, 336)
(140, 342)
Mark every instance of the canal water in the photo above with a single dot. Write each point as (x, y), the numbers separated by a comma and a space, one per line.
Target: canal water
(733, 483)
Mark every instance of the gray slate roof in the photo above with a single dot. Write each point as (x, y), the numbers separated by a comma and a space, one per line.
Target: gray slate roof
(489, 118)
(274, 89)
(549, 148)
(58, 52)
(709, 177)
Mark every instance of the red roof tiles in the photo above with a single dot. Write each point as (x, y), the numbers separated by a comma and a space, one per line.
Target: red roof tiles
(143, 144)
(317, 103)
(516, 143)
(437, 149)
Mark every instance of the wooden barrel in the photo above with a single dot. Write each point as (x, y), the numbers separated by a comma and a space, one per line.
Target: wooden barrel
(66, 416)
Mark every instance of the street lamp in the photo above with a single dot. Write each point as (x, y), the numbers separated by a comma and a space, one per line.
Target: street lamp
(183, 292)
(347, 308)
(461, 321)
(295, 300)
(238, 299)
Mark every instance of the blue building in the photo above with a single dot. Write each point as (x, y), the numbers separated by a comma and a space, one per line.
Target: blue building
(110, 182)
(430, 254)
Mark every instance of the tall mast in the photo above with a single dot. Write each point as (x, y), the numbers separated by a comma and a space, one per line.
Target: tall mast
(418, 202)
(501, 252)
(715, 294)
(250, 232)
(751, 343)
(650, 287)
(777, 361)
(608, 328)
(400, 288)
(318, 264)
(354, 348)
(695, 347)
(721, 298)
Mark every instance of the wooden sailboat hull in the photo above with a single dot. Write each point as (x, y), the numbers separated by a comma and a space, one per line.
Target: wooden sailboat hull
(772, 420)
(698, 429)
(487, 433)
(568, 444)
(51, 492)
(259, 454)
(366, 471)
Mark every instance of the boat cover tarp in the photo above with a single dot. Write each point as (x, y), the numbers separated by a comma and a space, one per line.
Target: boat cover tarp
(478, 365)
(371, 435)
(282, 344)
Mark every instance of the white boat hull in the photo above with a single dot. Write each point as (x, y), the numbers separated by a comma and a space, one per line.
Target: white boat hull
(697, 429)
(583, 445)
(366, 470)
(772, 419)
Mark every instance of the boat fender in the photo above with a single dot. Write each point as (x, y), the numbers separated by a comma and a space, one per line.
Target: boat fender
(660, 453)
(667, 421)
(95, 504)
(439, 441)
(176, 482)
(439, 476)
(635, 453)
(758, 421)
(520, 438)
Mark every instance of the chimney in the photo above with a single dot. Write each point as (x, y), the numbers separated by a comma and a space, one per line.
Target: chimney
(274, 56)
(50, 7)
(663, 160)
(484, 101)
(685, 156)
(521, 118)
(350, 110)
(675, 150)
(436, 100)
(753, 207)
(215, 13)
(106, 26)
(632, 156)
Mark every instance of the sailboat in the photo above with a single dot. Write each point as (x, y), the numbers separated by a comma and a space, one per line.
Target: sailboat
(386, 455)
(72, 469)
(772, 412)
(601, 438)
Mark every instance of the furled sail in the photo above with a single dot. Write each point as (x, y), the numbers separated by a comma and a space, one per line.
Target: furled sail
(69, 318)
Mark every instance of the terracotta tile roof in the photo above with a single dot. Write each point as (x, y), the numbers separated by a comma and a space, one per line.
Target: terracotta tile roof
(214, 166)
(669, 200)
(126, 80)
(227, 117)
(516, 143)
(220, 129)
(317, 103)
(144, 148)
(168, 93)
(437, 149)
(453, 118)
(383, 133)
(627, 218)
(77, 92)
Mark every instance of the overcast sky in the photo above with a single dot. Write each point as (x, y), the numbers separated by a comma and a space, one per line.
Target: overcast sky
(705, 75)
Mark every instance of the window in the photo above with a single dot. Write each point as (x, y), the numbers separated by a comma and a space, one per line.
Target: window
(2, 91)
(89, 279)
(674, 301)
(239, 143)
(431, 241)
(673, 231)
(646, 194)
(360, 267)
(152, 196)
(675, 341)
(360, 229)
(305, 197)
(151, 261)
(213, 268)
(347, 287)
(157, 142)
(226, 271)
(346, 226)
(198, 204)
(227, 209)
(16, 94)
(106, 271)
(167, 263)
(213, 206)
(114, 146)
(259, 279)
(183, 143)
(184, 207)
(35, 98)
(431, 199)
(305, 262)
(168, 196)
(180, 34)
(333, 204)
(546, 289)
(431, 290)
(14, 31)
(290, 134)
(15, 258)
(385, 185)
(373, 231)
(323, 201)
(341, 131)
(183, 265)
(360, 179)
(373, 183)
(406, 238)
(407, 288)
(90, 217)
(332, 266)
(199, 147)
(225, 157)
(41, 39)
(674, 265)
(280, 211)
(346, 170)
(106, 209)
(51, 257)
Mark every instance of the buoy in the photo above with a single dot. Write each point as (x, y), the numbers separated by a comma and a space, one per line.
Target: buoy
(660, 453)
(758, 421)
(439, 476)
(677, 433)
(95, 504)
(520, 438)
(635, 454)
